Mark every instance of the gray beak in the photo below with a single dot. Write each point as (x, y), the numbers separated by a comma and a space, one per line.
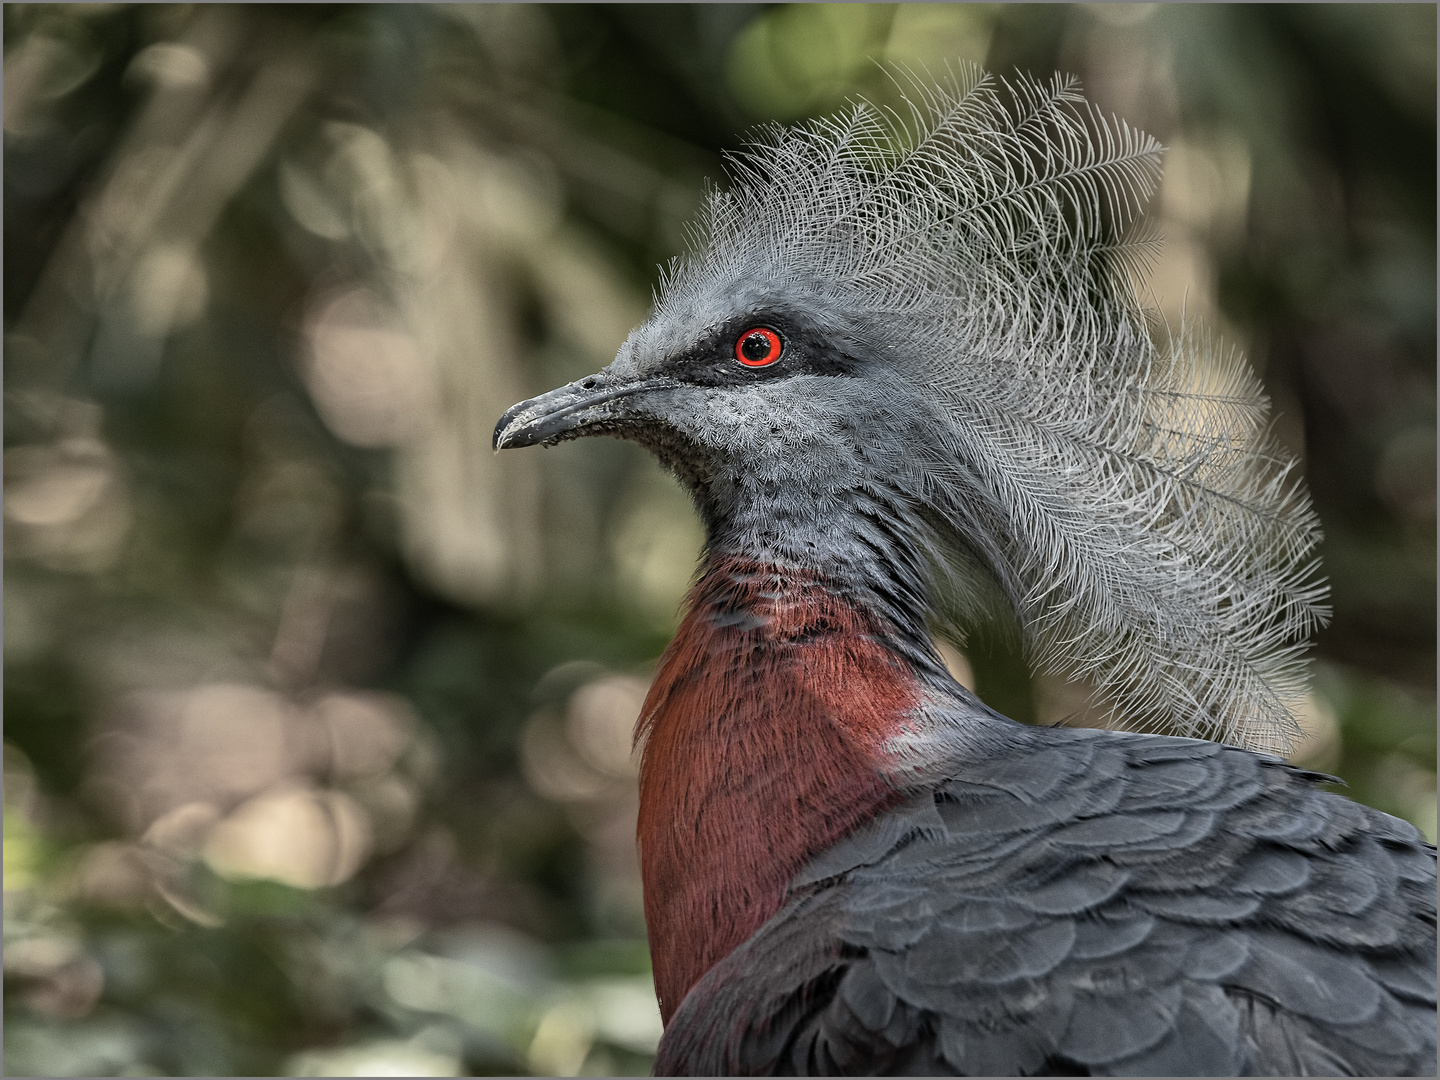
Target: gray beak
(568, 410)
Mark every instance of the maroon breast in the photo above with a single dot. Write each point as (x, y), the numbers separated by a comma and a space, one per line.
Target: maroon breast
(764, 736)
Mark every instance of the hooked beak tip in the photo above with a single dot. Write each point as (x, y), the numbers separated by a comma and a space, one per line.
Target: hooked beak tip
(510, 433)
(498, 439)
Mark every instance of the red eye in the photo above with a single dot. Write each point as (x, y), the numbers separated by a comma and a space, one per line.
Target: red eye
(758, 347)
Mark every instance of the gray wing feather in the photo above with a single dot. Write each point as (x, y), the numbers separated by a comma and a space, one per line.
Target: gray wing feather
(1120, 905)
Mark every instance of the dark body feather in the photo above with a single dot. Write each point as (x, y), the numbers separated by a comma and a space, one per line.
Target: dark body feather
(1097, 904)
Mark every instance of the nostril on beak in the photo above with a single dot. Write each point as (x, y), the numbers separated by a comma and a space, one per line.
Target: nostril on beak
(589, 383)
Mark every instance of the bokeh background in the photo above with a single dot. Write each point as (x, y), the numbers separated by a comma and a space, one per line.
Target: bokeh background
(317, 713)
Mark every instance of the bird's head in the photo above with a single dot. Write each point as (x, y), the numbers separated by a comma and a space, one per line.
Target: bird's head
(765, 399)
(914, 343)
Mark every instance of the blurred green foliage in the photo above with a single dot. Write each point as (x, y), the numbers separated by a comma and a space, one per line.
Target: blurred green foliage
(317, 712)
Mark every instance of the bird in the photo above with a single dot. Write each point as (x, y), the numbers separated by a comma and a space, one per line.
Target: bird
(908, 370)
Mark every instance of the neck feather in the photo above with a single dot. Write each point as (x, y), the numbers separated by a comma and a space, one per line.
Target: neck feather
(765, 736)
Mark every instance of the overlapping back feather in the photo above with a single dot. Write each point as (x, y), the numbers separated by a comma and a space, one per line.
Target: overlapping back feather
(1126, 495)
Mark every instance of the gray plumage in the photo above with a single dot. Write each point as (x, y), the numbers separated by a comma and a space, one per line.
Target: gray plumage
(964, 405)
(1105, 905)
